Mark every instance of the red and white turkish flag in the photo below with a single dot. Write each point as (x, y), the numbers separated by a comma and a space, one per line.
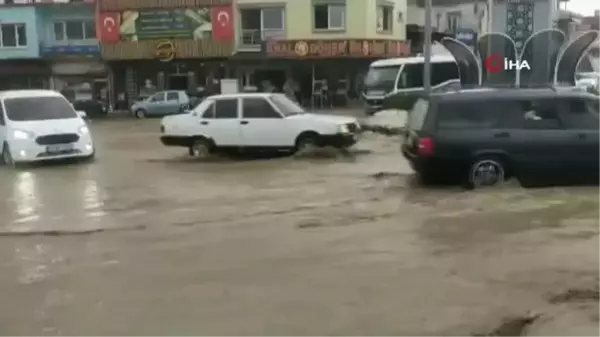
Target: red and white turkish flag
(108, 26)
(222, 23)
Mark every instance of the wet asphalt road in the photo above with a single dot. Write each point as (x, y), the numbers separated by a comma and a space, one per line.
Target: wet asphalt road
(146, 241)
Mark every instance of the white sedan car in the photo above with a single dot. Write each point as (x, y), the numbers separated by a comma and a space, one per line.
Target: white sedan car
(255, 121)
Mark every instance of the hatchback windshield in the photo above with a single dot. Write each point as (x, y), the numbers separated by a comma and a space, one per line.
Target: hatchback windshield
(38, 108)
(381, 78)
(286, 105)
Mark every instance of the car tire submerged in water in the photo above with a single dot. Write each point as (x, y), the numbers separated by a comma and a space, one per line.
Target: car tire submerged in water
(140, 113)
(200, 148)
(306, 142)
(6, 157)
(486, 171)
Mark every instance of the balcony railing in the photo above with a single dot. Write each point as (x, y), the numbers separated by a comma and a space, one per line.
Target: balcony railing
(254, 37)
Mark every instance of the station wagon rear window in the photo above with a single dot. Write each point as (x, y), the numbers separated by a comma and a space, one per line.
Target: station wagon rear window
(416, 117)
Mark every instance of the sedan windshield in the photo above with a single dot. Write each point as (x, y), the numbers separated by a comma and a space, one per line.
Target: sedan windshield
(286, 105)
(38, 108)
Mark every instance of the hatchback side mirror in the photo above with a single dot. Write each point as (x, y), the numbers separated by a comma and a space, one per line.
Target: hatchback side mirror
(81, 114)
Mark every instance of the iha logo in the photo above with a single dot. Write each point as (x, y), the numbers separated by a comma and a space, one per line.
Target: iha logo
(495, 63)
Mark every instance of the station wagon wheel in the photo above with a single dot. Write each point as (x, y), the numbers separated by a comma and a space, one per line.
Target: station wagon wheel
(7, 158)
(486, 171)
(200, 148)
(140, 113)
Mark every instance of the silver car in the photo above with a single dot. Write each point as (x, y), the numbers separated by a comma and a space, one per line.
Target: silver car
(160, 104)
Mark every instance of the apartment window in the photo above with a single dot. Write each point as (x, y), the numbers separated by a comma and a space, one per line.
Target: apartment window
(262, 23)
(74, 30)
(453, 22)
(13, 35)
(385, 18)
(329, 17)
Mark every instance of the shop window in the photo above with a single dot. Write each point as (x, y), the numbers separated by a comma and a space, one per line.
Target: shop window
(329, 16)
(453, 22)
(13, 35)
(385, 18)
(74, 30)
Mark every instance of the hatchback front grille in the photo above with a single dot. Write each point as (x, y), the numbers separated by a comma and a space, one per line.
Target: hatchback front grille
(63, 138)
(352, 127)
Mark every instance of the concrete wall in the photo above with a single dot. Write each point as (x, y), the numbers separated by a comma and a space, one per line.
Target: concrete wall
(27, 16)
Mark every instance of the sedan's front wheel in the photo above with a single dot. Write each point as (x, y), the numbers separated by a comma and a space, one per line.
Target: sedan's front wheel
(140, 113)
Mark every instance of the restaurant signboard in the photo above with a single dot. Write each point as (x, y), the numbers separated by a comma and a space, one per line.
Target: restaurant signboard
(316, 49)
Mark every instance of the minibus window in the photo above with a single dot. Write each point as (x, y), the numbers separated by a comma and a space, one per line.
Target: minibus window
(381, 78)
(411, 76)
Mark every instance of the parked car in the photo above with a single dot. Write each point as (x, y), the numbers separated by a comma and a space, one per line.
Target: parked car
(92, 107)
(482, 137)
(160, 104)
(255, 121)
(37, 125)
(82, 99)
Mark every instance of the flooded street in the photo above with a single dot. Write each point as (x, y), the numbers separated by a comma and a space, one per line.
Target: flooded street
(146, 241)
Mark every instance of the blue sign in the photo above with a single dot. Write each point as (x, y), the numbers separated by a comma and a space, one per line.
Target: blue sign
(466, 36)
(53, 51)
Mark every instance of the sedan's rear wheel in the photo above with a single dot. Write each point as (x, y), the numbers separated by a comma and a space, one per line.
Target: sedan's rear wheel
(200, 148)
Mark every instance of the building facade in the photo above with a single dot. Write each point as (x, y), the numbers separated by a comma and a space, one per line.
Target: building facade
(468, 19)
(324, 46)
(159, 44)
(68, 45)
(49, 44)
(20, 63)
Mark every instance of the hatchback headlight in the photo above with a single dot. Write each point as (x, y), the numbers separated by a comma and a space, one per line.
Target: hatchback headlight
(83, 130)
(21, 134)
(343, 128)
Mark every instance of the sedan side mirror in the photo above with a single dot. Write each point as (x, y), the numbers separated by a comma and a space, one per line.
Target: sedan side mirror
(81, 113)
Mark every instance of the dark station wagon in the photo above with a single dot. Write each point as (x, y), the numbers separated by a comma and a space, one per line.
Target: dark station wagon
(481, 137)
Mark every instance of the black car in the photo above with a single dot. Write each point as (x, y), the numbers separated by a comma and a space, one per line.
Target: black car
(92, 107)
(483, 136)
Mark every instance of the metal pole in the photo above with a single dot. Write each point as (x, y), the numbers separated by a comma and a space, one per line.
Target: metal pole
(427, 48)
(490, 6)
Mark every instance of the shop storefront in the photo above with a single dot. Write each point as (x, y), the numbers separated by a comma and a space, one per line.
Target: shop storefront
(76, 71)
(186, 52)
(324, 73)
(24, 74)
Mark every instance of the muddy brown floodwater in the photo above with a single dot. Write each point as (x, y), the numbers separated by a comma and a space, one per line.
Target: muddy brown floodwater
(148, 242)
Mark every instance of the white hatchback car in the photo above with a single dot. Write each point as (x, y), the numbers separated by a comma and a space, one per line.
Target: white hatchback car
(38, 125)
(255, 121)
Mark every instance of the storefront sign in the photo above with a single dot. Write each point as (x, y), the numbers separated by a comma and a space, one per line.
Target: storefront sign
(337, 48)
(53, 51)
(120, 5)
(177, 23)
(466, 36)
(165, 51)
